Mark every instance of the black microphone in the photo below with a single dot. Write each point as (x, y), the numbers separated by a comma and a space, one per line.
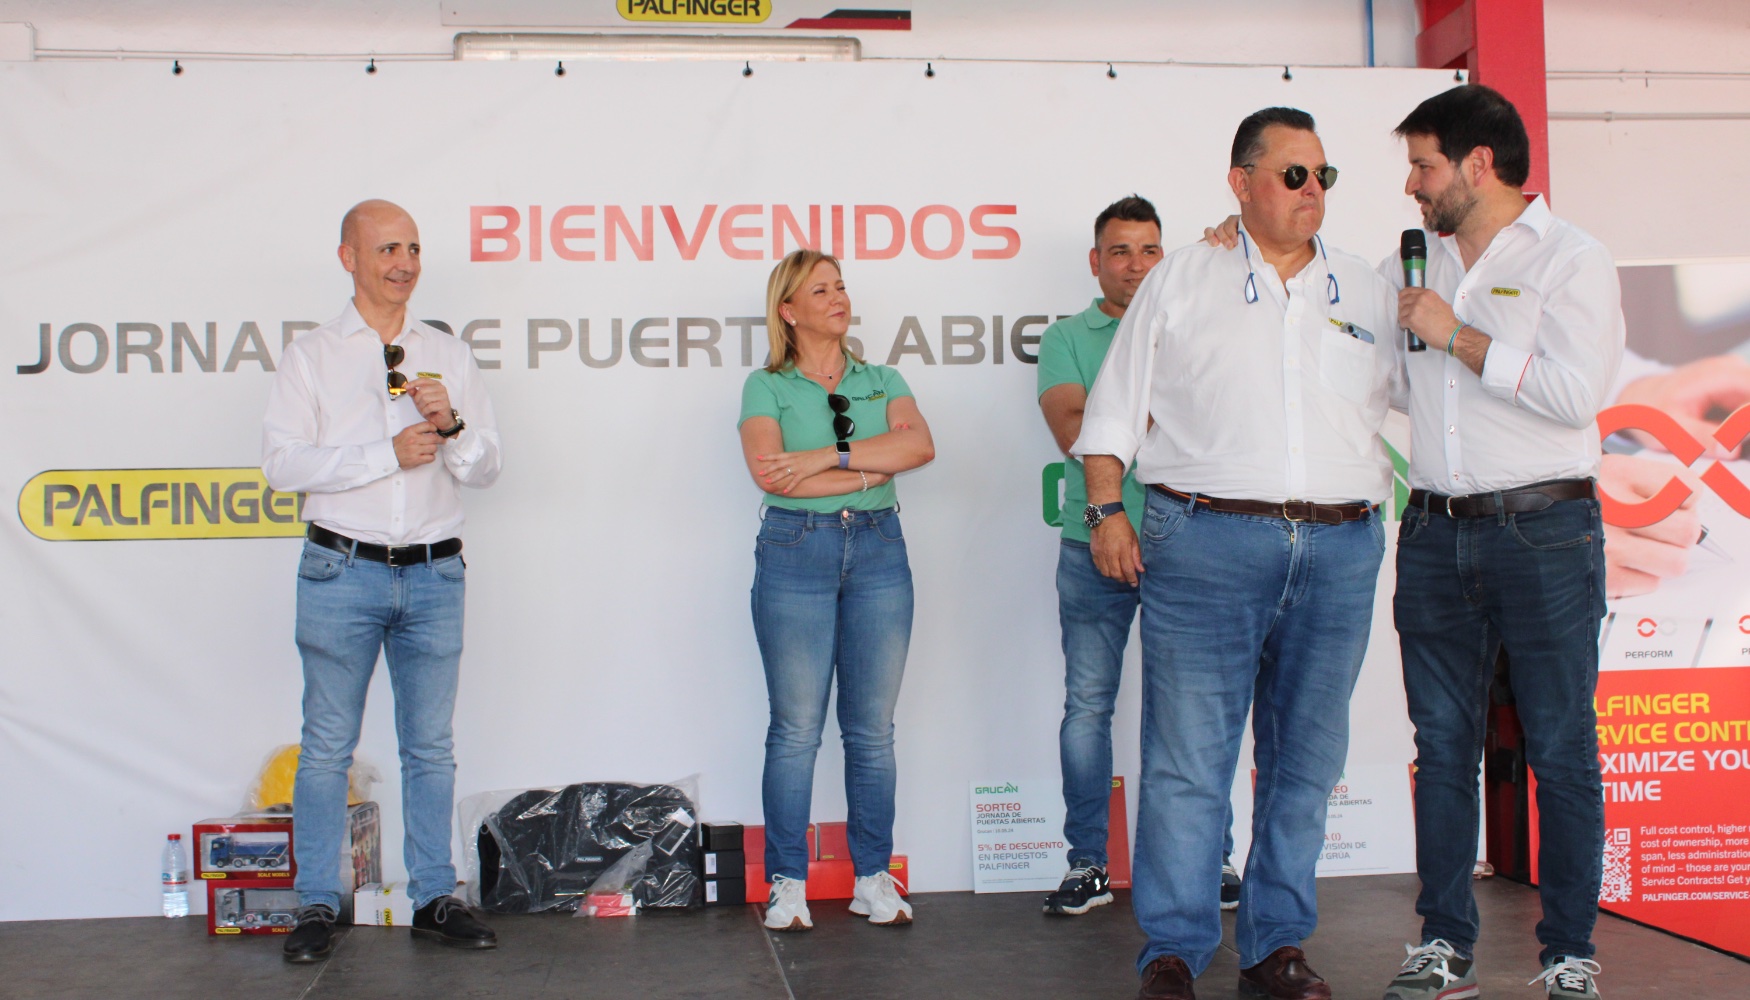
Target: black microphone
(1413, 248)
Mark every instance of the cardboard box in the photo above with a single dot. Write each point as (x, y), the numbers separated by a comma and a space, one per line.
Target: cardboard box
(726, 892)
(1117, 837)
(720, 836)
(251, 906)
(753, 842)
(259, 846)
(238, 847)
(831, 842)
(610, 904)
(381, 905)
(725, 864)
(830, 879)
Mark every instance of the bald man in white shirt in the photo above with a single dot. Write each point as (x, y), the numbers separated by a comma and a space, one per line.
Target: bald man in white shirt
(381, 420)
(1266, 371)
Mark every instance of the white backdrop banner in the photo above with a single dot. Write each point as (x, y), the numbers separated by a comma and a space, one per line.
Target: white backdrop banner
(602, 240)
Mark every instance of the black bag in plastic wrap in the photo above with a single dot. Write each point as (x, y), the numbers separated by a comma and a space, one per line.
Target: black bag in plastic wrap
(543, 849)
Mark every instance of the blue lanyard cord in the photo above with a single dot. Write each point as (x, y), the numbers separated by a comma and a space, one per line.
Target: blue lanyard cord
(1332, 289)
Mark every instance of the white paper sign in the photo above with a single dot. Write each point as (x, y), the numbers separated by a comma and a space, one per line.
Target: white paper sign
(1369, 826)
(1017, 835)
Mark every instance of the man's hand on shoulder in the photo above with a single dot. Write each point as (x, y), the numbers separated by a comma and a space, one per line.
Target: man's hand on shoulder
(417, 444)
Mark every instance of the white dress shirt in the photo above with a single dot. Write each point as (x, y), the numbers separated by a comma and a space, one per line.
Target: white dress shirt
(1267, 400)
(1548, 296)
(330, 427)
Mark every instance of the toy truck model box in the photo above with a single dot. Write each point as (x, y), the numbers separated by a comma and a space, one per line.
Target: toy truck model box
(251, 906)
(259, 846)
(244, 847)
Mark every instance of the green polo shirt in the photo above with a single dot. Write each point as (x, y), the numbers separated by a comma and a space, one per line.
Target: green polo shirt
(798, 404)
(1070, 353)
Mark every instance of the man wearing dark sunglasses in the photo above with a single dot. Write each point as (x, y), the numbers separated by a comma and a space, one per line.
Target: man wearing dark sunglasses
(1249, 385)
(382, 456)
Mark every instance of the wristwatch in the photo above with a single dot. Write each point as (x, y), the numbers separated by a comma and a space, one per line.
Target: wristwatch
(844, 454)
(454, 430)
(1093, 514)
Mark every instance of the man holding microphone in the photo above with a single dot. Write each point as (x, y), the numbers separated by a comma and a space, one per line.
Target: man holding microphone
(1502, 542)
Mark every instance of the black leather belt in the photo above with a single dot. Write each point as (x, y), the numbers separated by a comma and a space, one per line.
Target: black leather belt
(394, 555)
(1523, 500)
(1288, 510)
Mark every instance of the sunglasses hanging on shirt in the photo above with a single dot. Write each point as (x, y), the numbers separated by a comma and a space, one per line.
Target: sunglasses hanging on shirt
(842, 425)
(394, 354)
(1332, 289)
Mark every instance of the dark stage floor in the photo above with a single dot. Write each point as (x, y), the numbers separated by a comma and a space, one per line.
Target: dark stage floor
(962, 946)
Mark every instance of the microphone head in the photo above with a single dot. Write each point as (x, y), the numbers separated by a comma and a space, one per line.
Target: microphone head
(1413, 245)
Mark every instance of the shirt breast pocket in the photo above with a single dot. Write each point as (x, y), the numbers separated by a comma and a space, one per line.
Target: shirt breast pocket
(1349, 367)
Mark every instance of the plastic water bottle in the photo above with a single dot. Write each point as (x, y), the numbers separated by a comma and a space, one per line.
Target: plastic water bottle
(174, 868)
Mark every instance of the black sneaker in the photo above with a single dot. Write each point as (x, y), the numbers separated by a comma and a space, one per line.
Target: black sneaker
(1230, 887)
(1085, 887)
(447, 921)
(313, 938)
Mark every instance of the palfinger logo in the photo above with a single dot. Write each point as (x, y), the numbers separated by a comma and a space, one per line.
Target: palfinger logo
(90, 505)
(1646, 627)
(1683, 445)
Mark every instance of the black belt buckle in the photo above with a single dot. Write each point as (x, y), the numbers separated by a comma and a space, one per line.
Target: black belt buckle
(405, 555)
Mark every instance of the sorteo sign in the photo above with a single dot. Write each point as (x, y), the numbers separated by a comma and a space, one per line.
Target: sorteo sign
(583, 233)
(91, 505)
(1679, 442)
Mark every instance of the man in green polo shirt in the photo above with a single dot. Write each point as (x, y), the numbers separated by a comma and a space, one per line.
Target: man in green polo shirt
(1095, 612)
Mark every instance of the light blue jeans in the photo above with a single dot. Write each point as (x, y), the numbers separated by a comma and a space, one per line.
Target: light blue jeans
(1094, 612)
(349, 610)
(832, 595)
(1242, 612)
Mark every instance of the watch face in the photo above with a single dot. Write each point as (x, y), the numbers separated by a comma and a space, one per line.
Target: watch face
(1091, 516)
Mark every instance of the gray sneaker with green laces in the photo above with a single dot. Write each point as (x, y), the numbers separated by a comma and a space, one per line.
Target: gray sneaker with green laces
(1569, 978)
(1434, 971)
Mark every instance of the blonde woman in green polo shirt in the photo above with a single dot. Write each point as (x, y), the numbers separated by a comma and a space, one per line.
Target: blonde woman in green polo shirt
(823, 433)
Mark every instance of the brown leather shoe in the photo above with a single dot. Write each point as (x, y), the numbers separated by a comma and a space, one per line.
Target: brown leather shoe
(1283, 976)
(1167, 978)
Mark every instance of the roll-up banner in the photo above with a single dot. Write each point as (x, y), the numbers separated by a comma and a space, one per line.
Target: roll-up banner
(601, 239)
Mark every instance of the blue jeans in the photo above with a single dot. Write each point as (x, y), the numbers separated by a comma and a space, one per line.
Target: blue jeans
(1242, 612)
(1466, 587)
(831, 593)
(1095, 612)
(349, 610)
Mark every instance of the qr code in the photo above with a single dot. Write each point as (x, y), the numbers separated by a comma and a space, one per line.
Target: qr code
(1619, 873)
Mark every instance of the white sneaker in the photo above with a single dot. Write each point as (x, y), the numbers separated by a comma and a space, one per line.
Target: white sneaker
(787, 909)
(877, 896)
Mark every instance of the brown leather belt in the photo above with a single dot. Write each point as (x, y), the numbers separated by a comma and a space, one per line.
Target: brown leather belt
(1523, 500)
(1289, 510)
(394, 555)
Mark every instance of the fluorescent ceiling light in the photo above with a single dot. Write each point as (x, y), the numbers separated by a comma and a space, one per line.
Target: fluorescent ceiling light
(656, 48)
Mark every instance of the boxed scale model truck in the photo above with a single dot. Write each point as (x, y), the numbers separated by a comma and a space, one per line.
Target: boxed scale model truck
(251, 906)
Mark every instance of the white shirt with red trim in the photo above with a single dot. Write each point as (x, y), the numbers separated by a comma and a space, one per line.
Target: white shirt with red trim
(1547, 294)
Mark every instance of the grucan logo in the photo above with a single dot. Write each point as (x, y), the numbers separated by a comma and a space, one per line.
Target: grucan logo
(1008, 789)
(1686, 449)
(98, 505)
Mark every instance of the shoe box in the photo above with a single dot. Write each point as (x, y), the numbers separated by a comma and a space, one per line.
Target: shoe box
(724, 862)
(242, 859)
